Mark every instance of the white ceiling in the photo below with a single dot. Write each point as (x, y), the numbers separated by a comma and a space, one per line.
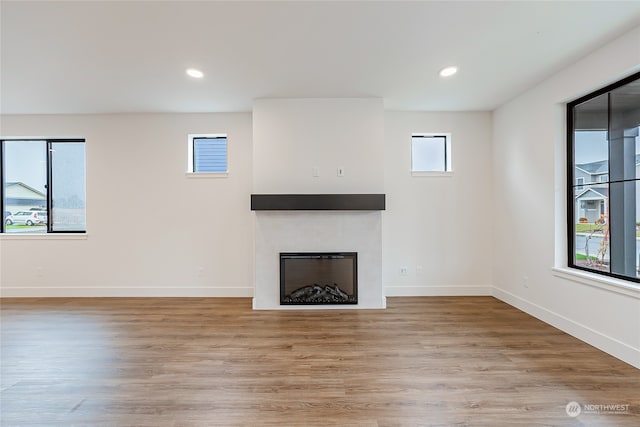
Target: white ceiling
(124, 56)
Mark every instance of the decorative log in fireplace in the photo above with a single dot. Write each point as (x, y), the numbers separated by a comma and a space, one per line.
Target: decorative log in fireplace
(319, 278)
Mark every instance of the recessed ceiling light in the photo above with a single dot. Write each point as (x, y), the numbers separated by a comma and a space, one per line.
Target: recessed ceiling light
(449, 71)
(196, 74)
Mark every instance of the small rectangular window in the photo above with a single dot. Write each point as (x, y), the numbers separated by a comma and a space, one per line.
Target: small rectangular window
(208, 154)
(430, 153)
(580, 184)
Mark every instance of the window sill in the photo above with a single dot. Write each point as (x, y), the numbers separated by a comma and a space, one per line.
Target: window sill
(43, 236)
(433, 174)
(207, 174)
(607, 283)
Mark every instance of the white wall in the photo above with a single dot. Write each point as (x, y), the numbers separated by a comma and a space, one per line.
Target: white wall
(529, 209)
(151, 229)
(440, 228)
(292, 136)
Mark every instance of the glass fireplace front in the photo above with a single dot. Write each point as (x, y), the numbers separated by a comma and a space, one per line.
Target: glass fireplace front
(318, 278)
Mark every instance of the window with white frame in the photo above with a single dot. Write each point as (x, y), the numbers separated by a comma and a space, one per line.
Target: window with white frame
(208, 154)
(430, 153)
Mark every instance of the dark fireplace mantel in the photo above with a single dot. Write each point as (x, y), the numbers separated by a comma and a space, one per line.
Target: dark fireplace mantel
(317, 202)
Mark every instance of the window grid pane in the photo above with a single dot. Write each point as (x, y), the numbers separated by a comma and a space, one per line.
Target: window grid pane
(25, 189)
(68, 186)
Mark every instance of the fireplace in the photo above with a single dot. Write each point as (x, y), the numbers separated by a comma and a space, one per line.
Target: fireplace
(309, 232)
(318, 278)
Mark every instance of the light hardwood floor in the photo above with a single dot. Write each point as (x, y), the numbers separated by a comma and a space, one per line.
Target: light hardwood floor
(215, 362)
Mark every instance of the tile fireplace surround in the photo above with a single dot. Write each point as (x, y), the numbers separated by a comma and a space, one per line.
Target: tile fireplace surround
(318, 231)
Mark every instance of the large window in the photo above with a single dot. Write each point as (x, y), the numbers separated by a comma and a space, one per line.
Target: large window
(604, 180)
(43, 186)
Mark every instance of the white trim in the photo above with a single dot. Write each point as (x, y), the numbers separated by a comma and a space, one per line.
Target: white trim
(119, 292)
(44, 236)
(578, 167)
(610, 284)
(560, 185)
(599, 196)
(612, 346)
(433, 173)
(207, 175)
(425, 291)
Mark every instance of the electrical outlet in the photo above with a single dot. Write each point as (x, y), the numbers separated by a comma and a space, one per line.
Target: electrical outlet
(525, 281)
(315, 171)
(404, 271)
(340, 172)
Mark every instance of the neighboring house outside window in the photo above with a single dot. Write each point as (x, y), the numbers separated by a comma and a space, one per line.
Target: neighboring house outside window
(592, 200)
(207, 154)
(603, 204)
(19, 196)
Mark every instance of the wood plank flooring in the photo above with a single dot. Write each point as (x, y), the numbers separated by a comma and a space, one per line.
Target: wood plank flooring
(214, 362)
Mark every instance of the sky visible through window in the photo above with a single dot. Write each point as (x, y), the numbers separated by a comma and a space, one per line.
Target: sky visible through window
(592, 146)
(25, 162)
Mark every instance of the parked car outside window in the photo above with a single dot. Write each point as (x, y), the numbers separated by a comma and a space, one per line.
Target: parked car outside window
(27, 218)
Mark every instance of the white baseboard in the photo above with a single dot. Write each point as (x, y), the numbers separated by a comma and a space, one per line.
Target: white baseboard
(428, 291)
(618, 349)
(46, 292)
